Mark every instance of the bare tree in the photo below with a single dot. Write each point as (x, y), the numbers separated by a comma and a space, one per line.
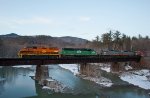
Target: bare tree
(117, 39)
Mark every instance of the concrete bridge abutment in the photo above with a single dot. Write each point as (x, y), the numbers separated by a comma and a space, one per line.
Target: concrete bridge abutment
(83, 68)
(117, 66)
(90, 70)
(42, 73)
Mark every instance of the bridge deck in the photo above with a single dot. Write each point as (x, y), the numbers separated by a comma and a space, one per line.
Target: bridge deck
(66, 60)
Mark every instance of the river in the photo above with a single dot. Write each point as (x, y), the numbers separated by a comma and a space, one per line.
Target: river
(15, 82)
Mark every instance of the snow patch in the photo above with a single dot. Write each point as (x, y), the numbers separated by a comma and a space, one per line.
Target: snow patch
(128, 67)
(32, 74)
(49, 79)
(72, 67)
(23, 66)
(46, 87)
(105, 67)
(102, 81)
(138, 78)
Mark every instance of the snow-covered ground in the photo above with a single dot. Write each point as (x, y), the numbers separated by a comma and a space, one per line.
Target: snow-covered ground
(102, 81)
(32, 73)
(72, 67)
(105, 67)
(128, 67)
(50, 79)
(23, 66)
(139, 78)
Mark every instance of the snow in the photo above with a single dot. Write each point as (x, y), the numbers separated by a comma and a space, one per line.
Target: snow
(49, 79)
(105, 67)
(72, 67)
(138, 78)
(46, 87)
(142, 72)
(32, 74)
(128, 67)
(23, 66)
(102, 81)
(54, 85)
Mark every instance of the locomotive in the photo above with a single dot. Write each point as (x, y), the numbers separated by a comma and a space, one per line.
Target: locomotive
(39, 52)
(77, 52)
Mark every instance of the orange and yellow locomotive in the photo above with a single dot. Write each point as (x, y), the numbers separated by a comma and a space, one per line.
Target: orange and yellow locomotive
(40, 52)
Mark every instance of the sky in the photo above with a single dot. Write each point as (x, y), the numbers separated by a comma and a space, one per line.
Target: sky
(78, 18)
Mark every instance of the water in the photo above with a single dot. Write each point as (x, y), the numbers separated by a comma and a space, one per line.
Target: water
(17, 83)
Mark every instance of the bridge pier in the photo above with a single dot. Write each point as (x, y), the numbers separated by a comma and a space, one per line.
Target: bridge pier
(42, 78)
(117, 66)
(90, 70)
(41, 74)
(83, 68)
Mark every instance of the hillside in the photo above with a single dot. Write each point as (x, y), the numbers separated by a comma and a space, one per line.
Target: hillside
(11, 43)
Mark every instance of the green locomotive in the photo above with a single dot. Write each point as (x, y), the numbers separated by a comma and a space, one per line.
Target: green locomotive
(77, 52)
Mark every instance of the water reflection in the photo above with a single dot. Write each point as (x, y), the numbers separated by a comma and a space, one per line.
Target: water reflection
(44, 94)
(125, 91)
(17, 82)
(2, 82)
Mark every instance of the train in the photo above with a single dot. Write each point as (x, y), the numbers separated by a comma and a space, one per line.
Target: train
(54, 52)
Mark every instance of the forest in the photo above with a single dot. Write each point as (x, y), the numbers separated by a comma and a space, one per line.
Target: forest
(119, 41)
(113, 40)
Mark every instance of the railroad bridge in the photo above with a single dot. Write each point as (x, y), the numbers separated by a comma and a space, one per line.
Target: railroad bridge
(42, 71)
(68, 60)
(114, 59)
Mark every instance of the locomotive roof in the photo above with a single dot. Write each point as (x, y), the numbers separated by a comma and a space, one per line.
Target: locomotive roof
(41, 47)
(86, 49)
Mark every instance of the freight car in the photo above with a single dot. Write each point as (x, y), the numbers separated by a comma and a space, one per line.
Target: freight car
(116, 52)
(77, 52)
(39, 52)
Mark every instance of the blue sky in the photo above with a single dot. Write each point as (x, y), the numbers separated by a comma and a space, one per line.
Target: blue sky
(78, 18)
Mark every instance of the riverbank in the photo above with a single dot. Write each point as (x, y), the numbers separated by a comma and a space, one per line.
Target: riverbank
(54, 86)
(74, 68)
(51, 85)
(137, 77)
(140, 78)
